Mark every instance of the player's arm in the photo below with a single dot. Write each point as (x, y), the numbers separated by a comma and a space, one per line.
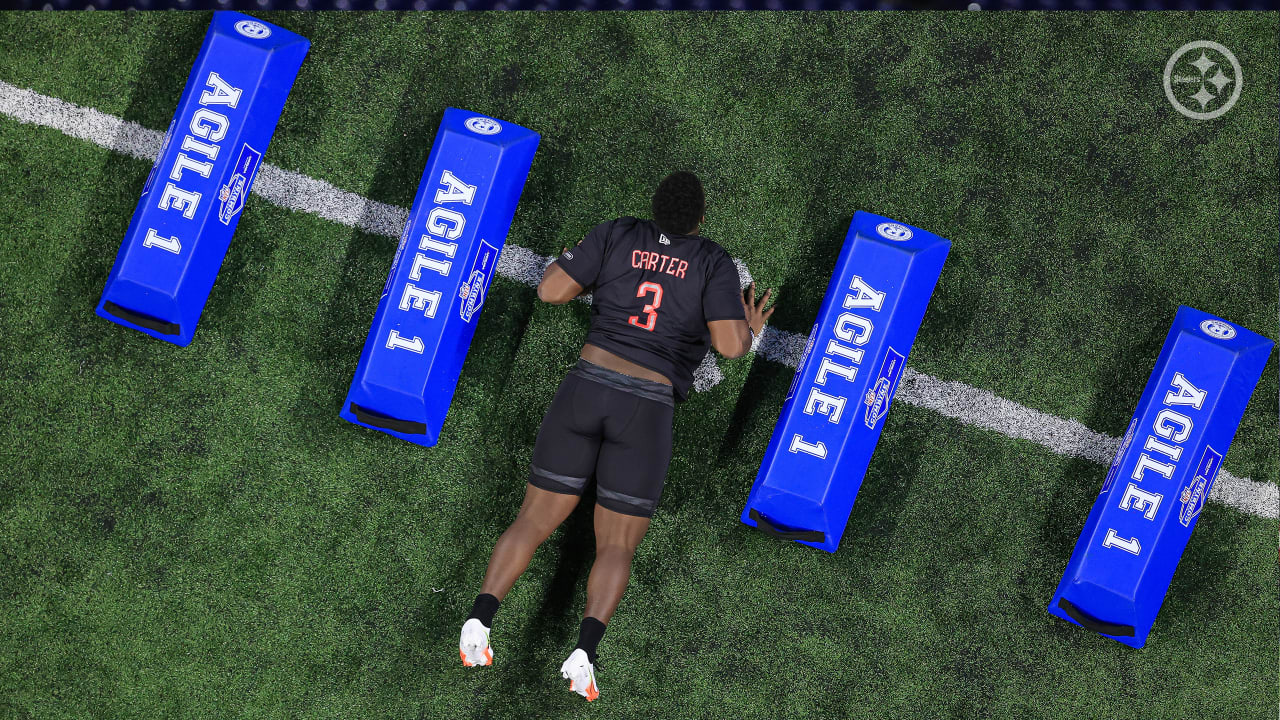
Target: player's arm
(557, 287)
(727, 313)
(731, 338)
(576, 268)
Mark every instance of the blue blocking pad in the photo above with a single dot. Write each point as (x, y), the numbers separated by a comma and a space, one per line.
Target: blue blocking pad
(1124, 560)
(835, 409)
(193, 197)
(448, 252)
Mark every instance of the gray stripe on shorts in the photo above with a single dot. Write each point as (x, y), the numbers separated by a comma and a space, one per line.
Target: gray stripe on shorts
(576, 483)
(642, 504)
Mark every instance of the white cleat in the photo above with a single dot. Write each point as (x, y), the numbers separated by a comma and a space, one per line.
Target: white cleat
(581, 674)
(473, 645)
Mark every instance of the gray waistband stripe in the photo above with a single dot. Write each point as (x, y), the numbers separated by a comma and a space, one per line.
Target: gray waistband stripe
(576, 483)
(644, 504)
(647, 389)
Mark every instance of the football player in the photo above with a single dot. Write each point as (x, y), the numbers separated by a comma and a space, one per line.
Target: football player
(661, 295)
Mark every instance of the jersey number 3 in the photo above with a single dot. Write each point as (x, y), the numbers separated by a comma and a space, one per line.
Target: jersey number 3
(651, 309)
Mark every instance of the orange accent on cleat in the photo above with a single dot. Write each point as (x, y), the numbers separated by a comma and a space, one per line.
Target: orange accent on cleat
(465, 661)
(577, 667)
(592, 692)
(488, 656)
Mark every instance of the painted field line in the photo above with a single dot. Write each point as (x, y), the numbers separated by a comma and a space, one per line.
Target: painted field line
(302, 193)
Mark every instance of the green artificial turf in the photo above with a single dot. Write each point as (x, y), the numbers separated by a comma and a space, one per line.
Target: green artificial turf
(195, 533)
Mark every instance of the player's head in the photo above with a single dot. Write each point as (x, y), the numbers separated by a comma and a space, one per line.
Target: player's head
(678, 204)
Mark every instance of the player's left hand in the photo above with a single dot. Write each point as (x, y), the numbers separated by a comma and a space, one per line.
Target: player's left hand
(757, 316)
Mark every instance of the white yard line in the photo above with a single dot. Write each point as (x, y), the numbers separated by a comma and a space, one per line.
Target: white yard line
(295, 191)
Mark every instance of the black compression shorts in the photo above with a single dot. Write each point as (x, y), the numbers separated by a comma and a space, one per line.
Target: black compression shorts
(610, 426)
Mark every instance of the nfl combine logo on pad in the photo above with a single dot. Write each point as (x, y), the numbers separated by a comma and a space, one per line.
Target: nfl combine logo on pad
(894, 231)
(483, 125)
(1218, 329)
(252, 29)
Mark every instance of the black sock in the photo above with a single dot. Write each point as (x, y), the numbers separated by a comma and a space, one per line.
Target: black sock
(589, 634)
(484, 608)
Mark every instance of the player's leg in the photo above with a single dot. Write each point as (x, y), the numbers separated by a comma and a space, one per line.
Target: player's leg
(617, 537)
(630, 474)
(564, 457)
(540, 515)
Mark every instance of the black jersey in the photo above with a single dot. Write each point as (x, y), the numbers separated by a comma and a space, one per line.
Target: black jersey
(653, 294)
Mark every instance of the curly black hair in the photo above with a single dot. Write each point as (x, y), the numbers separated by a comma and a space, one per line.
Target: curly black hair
(678, 203)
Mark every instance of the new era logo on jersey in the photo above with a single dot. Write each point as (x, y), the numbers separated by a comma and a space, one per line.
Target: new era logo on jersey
(663, 239)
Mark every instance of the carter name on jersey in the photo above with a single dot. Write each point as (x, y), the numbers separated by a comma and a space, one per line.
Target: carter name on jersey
(646, 260)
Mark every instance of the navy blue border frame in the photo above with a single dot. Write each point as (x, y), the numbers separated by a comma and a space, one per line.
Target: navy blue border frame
(270, 5)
